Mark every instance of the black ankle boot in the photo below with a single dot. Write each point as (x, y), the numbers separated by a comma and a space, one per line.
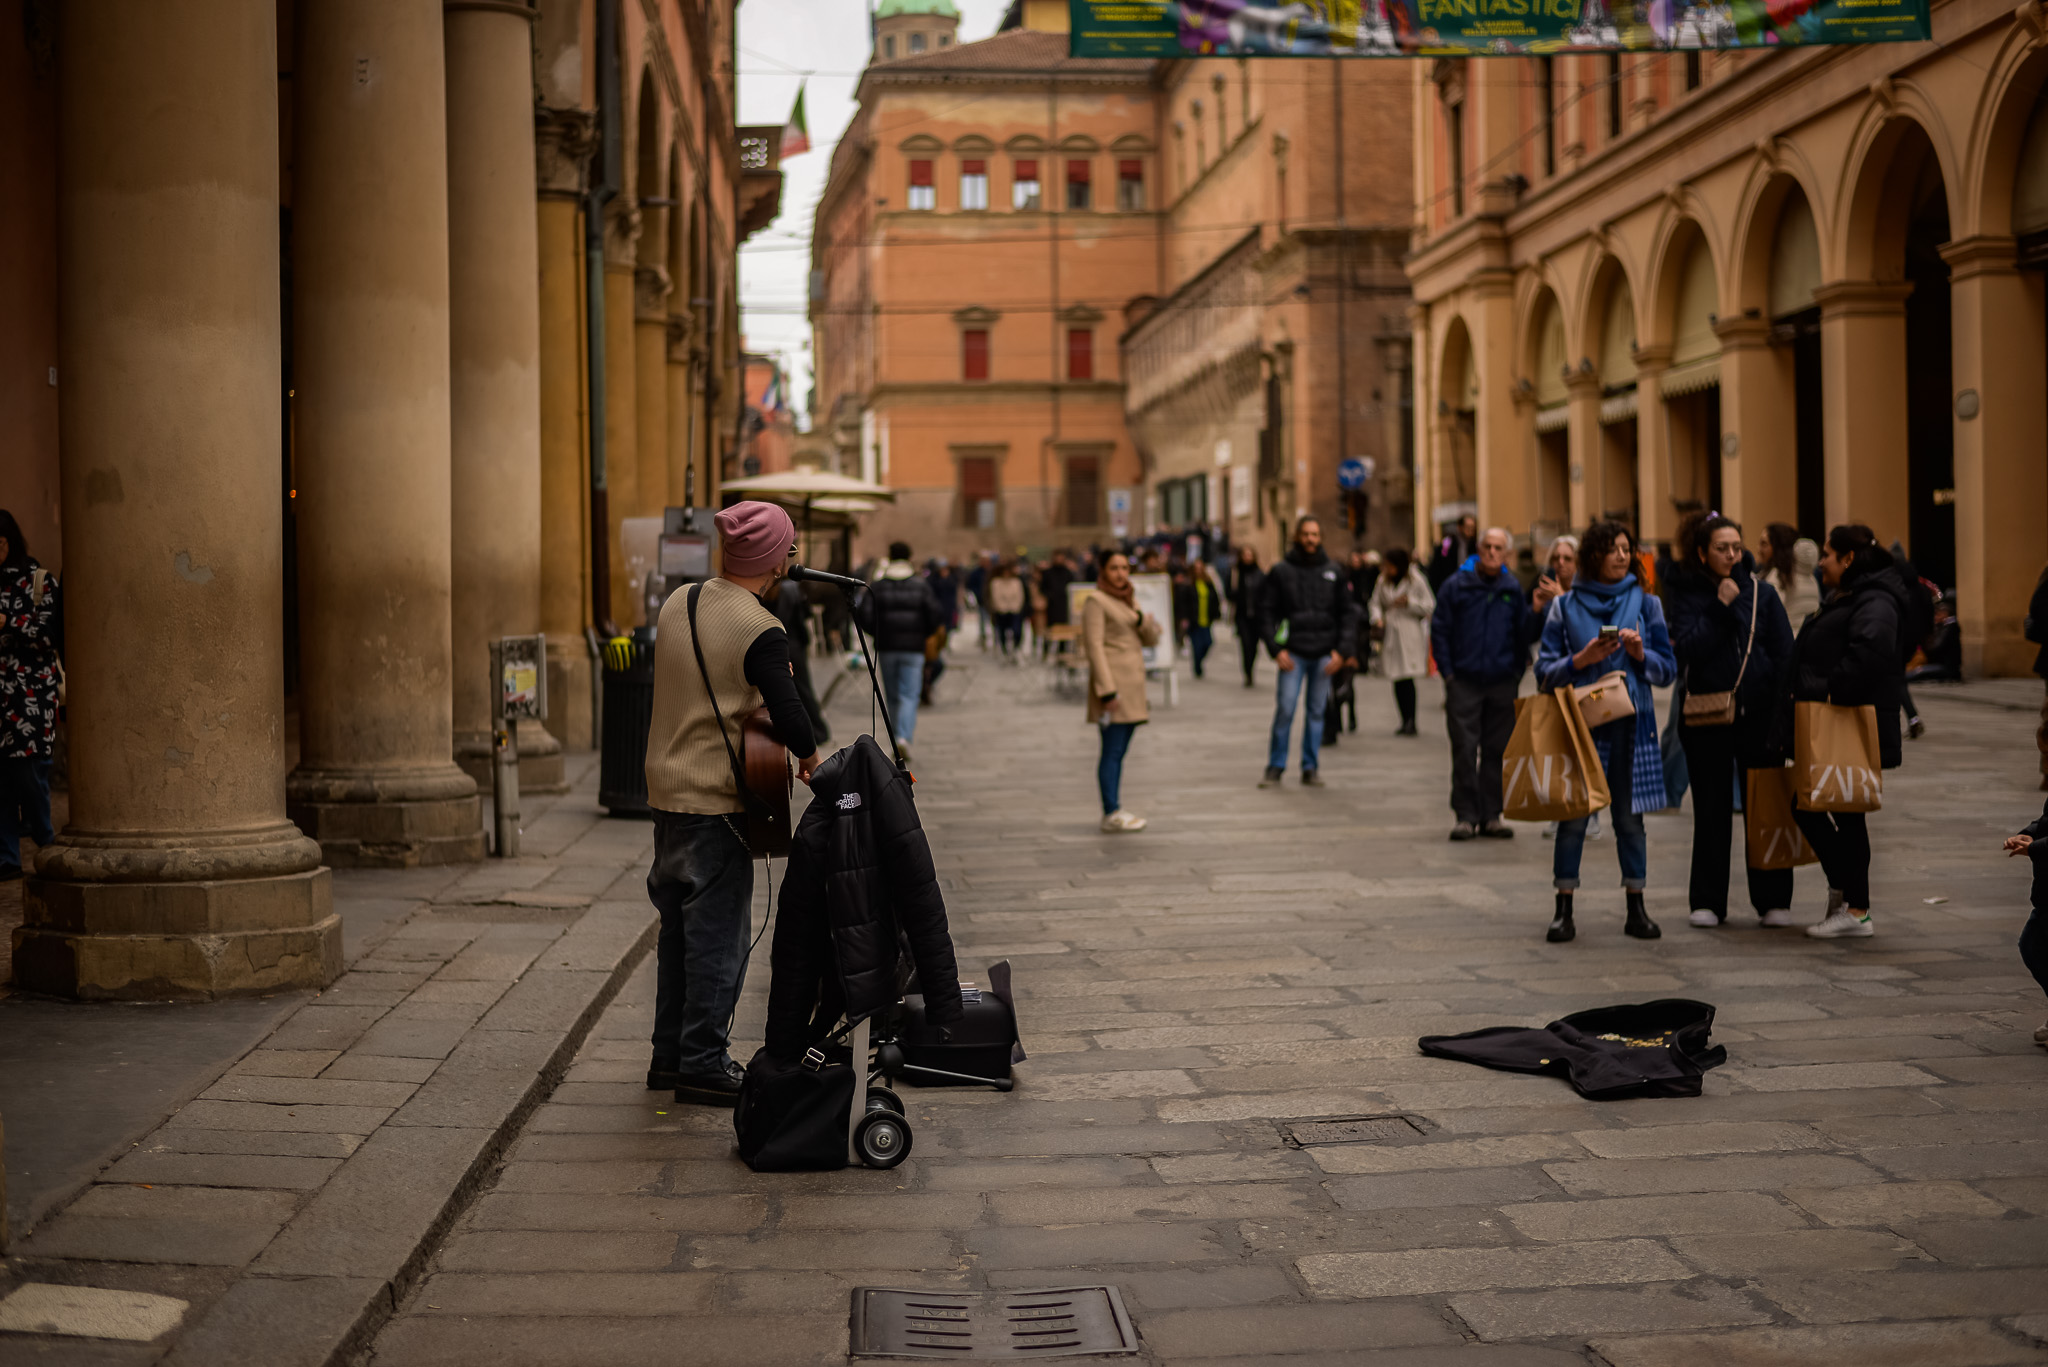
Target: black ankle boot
(1639, 923)
(1561, 921)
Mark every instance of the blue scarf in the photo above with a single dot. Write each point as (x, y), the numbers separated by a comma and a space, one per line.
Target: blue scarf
(1592, 605)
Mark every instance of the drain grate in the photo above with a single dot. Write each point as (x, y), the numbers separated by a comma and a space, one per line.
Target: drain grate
(1066, 1321)
(1352, 1129)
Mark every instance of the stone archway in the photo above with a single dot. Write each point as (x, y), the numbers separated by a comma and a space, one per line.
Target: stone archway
(1547, 363)
(1457, 441)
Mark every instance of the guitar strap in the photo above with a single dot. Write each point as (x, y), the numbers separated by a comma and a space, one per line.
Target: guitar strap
(754, 804)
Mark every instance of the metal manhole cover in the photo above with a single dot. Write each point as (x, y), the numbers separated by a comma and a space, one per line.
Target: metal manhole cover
(1067, 1321)
(1351, 1129)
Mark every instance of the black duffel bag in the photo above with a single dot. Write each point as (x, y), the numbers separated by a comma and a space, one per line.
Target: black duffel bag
(791, 1115)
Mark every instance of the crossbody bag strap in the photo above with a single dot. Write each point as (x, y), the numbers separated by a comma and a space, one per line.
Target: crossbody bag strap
(1756, 608)
(739, 777)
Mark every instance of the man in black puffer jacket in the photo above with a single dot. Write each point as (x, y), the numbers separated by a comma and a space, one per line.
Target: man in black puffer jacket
(900, 612)
(1850, 653)
(861, 891)
(1309, 621)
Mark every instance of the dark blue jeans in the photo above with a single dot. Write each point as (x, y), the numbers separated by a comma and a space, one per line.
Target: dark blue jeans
(702, 883)
(1199, 641)
(24, 808)
(1109, 770)
(1631, 844)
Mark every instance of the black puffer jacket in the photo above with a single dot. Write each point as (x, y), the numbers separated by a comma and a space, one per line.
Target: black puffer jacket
(1709, 636)
(899, 613)
(860, 895)
(1852, 650)
(1311, 594)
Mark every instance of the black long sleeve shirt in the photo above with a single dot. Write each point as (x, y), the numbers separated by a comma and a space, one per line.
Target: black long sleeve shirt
(767, 668)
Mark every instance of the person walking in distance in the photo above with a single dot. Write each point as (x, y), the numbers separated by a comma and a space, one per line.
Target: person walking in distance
(1730, 634)
(1310, 621)
(1850, 654)
(1006, 604)
(1480, 635)
(1608, 624)
(1453, 549)
(1052, 592)
(1787, 561)
(1198, 604)
(31, 647)
(900, 613)
(1246, 588)
(1401, 603)
(1114, 634)
(719, 654)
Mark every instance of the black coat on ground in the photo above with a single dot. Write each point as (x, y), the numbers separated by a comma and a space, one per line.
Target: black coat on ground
(1654, 1048)
(1312, 595)
(1852, 651)
(860, 896)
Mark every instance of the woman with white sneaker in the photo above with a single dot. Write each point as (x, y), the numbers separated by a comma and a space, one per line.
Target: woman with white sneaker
(1114, 633)
(1733, 641)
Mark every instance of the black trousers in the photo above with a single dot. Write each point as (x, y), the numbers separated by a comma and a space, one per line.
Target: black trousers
(1481, 718)
(1248, 647)
(1404, 698)
(1842, 840)
(1712, 759)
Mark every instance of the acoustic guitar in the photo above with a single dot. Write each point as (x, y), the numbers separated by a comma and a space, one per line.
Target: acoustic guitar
(770, 781)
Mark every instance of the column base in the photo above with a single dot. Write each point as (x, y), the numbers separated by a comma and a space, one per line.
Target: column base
(382, 820)
(178, 941)
(540, 760)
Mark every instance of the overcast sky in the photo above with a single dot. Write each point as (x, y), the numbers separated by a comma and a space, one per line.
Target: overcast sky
(780, 41)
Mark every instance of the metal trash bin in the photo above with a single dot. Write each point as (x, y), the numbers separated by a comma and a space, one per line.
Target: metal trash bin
(628, 713)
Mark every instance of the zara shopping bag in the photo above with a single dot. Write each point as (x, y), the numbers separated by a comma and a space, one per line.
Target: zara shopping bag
(1835, 764)
(1772, 838)
(1550, 770)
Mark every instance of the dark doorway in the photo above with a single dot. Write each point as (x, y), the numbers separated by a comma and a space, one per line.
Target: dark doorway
(1930, 433)
(1808, 433)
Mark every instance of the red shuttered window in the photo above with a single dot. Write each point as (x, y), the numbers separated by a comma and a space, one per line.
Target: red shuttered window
(974, 354)
(1080, 354)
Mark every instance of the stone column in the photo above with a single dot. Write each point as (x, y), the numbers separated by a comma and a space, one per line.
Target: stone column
(1656, 519)
(621, 409)
(178, 874)
(1505, 484)
(376, 784)
(650, 362)
(565, 138)
(1583, 475)
(1863, 404)
(2001, 470)
(493, 370)
(682, 417)
(1759, 452)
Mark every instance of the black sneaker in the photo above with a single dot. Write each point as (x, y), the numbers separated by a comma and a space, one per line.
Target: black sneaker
(1464, 830)
(1311, 779)
(663, 1075)
(1497, 830)
(715, 1089)
(1272, 777)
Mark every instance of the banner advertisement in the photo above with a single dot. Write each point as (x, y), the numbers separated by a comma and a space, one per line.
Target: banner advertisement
(1428, 28)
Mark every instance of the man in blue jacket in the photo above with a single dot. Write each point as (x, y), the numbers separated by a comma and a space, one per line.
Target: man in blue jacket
(1480, 635)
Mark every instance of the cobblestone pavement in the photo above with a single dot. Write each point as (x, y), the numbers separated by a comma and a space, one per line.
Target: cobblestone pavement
(1865, 1182)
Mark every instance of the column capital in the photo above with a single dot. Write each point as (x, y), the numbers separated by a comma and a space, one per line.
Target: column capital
(1980, 255)
(1743, 334)
(621, 236)
(650, 295)
(563, 140)
(1652, 361)
(1583, 384)
(1863, 298)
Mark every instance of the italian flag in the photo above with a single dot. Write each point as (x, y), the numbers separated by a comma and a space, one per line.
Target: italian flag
(796, 137)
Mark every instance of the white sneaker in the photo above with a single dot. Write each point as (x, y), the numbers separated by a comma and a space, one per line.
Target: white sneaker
(1841, 925)
(1121, 820)
(1703, 918)
(1777, 916)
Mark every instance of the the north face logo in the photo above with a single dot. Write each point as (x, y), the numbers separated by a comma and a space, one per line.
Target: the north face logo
(848, 801)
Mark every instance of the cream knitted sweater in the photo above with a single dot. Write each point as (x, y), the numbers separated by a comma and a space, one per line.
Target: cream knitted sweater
(687, 767)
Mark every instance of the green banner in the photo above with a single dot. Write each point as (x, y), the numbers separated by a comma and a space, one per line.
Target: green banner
(1423, 28)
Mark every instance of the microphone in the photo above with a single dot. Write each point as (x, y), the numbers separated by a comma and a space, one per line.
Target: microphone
(803, 574)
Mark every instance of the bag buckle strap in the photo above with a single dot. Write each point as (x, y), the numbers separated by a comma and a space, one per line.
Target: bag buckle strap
(814, 1058)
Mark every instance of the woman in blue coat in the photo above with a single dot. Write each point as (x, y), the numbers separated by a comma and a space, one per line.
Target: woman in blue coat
(1573, 651)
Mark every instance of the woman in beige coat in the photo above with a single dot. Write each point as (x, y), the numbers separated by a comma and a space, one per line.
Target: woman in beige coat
(1401, 604)
(1115, 633)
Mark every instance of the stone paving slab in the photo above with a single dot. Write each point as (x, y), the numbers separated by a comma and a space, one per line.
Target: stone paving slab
(1862, 1183)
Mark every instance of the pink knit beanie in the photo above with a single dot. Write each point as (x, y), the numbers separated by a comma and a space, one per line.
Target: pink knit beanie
(755, 537)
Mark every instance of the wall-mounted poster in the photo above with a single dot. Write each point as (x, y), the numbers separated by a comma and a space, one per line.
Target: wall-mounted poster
(1427, 28)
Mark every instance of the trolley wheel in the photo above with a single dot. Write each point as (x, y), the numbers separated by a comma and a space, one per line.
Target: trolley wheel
(882, 1139)
(883, 1099)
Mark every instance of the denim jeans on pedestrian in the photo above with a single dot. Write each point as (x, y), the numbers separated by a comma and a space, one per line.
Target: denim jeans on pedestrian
(902, 682)
(1199, 641)
(1109, 770)
(24, 808)
(1283, 713)
(702, 883)
(1631, 844)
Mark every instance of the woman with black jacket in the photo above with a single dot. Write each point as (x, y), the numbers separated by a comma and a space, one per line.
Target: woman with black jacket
(1850, 654)
(1730, 632)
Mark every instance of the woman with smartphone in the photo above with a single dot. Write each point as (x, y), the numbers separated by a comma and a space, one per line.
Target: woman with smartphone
(1114, 633)
(1608, 625)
